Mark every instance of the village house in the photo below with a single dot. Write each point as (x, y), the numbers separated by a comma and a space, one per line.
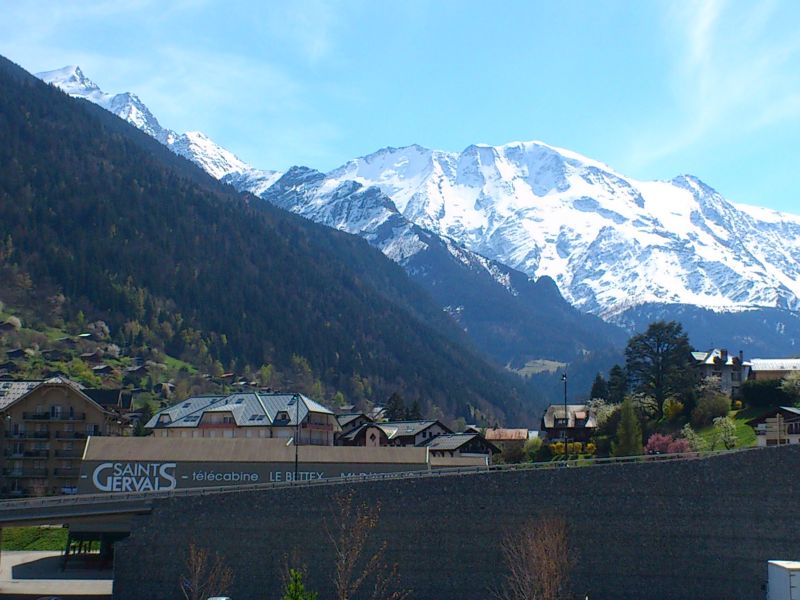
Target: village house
(502, 437)
(578, 425)
(45, 428)
(764, 369)
(781, 425)
(394, 433)
(349, 422)
(729, 371)
(461, 444)
(248, 415)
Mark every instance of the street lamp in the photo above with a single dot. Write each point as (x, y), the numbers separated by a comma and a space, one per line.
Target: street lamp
(566, 414)
(296, 400)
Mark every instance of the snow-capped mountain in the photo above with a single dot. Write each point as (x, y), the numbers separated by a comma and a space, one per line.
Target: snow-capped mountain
(193, 145)
(609, 241)
(620, 248)
(509, 315)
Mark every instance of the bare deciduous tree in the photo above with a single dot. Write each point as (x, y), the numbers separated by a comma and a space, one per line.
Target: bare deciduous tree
(538, 560)
(349, 531)
(205, 576)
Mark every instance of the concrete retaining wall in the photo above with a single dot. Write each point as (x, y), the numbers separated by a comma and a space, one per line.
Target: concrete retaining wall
(683, 530)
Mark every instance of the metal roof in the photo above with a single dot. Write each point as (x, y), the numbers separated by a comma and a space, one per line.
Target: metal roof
(450, 441)
(775, 364)
(248, 409)
(499, 434)
(11, 391)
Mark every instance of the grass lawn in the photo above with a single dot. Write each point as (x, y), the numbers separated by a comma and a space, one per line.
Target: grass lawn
(177, 364)
(745, 436)
(34, 538)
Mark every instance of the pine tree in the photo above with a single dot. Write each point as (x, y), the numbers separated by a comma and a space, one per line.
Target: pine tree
(599, 388)
(617, 384)
(629, 432)
(415, 412)
(395, 407)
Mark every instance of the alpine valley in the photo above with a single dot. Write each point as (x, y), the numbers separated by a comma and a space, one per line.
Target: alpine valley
(495, 232)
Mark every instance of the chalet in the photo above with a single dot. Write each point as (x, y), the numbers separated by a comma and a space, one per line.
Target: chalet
(577, 425)
(103, 369)
(95, 356)
(394, 433)
(352, 421)
(460, 444)
(253, 414)
(15, 353)
(9, 366)
(763, 369)
(7, 326)
(55, 354)
(728, 370)
(781, 425)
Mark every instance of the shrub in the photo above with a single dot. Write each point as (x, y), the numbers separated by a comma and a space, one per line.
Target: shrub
(591, 449)
(737, 405)
(557, 448)
(709, 407)
(672, 408)
(679, 446)
(658, 443)
(513, 454)
(532, 448)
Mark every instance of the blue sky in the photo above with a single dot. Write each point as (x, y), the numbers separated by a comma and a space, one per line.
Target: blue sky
(652, 88)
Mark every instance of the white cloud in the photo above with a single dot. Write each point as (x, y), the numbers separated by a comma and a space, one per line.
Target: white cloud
(732, 76)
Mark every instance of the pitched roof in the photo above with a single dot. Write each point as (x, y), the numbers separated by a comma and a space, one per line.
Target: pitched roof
(716, 356)
(249, 409)
(574, 411)
(396, 429)
(12, 391)
(500, 434)
(793, 414)
(347, 418)
(775, 364)
(454, 441)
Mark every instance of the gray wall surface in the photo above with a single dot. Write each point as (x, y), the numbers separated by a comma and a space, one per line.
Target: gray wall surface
(662, 530)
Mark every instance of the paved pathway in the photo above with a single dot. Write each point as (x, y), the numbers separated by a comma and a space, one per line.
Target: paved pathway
(39, 573)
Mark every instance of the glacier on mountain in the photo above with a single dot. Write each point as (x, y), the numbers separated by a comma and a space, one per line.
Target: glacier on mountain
(192, 145)
(610, 242)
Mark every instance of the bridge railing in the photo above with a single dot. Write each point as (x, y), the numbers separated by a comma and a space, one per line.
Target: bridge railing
(117, 498)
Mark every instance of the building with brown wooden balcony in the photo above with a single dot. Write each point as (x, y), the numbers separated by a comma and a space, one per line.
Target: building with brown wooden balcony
(45, 425)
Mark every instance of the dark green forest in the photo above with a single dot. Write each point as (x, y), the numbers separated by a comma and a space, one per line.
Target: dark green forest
(96, 213)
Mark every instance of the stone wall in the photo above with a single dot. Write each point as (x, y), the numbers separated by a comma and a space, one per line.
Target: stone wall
(684, 530)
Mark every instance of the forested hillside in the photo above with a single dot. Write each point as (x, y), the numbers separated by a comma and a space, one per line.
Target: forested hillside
(94, 212)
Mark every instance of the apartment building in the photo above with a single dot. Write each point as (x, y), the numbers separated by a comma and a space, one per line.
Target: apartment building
(45, 427)
(248, 415)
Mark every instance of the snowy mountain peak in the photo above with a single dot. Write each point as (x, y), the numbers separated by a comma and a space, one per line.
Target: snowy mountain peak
(70, 79)
(609, 241)
(193, 145)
